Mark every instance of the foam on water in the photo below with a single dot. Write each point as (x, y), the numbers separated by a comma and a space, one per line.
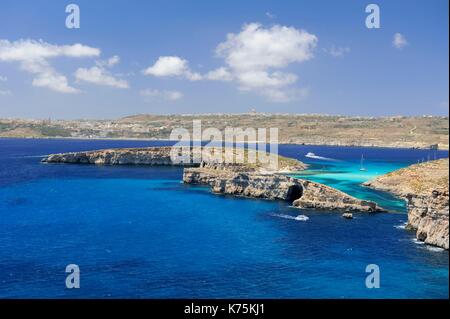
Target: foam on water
(402, 226)
(417, 242)
(302, 218)
(434, 249)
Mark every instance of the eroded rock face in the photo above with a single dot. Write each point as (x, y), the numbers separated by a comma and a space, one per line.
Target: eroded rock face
(303, 194)
(257, 186)
(319, 196)
(429, 216)
(425, 189)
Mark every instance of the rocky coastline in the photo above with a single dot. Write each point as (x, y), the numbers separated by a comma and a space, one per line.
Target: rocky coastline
(425, 189)
(255, 180)
(301, 193)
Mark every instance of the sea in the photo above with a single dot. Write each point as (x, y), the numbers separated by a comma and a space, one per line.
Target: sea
(138, 232)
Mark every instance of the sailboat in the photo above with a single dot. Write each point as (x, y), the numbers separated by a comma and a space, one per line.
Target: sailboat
(362, 168)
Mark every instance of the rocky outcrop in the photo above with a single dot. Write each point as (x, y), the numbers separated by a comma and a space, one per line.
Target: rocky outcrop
(196, 157)
(301, 193)
(124, 156)
(274, 187)
(319, 196)
(425, 189)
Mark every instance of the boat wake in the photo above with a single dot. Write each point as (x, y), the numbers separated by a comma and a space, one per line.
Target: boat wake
(434, 249)
(302, 218)
(422, 245)
(402, 226)
(314, 156)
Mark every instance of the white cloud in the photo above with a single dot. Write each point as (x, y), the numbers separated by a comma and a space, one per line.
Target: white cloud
(5, 92)
(256, 55)
(220, 74)
(33, 57)
(167, 66)
(166, 95)
(110, 62)
(3, 78)
(337, 51)
(399, 41)
(100, 75)
(254, 58)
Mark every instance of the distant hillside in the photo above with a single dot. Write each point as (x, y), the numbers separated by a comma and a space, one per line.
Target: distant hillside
(409, 132)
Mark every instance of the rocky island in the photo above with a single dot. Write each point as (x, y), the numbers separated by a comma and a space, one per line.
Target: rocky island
(425, 188)
(255, 180)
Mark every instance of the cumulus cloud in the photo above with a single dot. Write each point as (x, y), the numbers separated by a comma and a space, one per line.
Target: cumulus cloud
(33, 57)
(256, 57)
(399, 41)
(220, 74)
(337, 52)
(109, 62)
(166, 95)
(100, 75)
(169, 66)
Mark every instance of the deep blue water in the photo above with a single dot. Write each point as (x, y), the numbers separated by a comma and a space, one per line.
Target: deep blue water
(137, 232)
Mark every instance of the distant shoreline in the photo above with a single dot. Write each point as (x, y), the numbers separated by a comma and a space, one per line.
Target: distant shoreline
(166, 140)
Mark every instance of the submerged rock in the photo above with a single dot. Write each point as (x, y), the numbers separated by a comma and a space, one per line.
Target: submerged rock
(425, 189)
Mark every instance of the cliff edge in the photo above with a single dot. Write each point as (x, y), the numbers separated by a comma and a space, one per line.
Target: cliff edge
(425, 188)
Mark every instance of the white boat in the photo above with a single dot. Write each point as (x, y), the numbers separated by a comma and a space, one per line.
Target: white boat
(311, 155)
(302, 218)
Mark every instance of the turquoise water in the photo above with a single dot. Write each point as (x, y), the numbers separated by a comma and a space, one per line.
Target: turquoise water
(137, 232)
(343, 171)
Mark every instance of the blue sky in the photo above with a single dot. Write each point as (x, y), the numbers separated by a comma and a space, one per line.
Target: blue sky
(283, 56)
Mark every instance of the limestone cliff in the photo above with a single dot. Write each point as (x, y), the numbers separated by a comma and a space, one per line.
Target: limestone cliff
(301, 193)
(123, 156)
(425, 189)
